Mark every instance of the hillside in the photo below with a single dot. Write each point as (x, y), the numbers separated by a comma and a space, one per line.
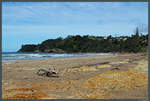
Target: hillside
(71, 44)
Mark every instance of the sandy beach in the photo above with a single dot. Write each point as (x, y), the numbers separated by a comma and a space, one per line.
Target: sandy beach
(124, 76)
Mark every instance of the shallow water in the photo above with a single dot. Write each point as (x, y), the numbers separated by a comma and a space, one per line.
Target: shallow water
(15, 56)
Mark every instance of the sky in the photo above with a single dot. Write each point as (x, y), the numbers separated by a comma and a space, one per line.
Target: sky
(34, 22)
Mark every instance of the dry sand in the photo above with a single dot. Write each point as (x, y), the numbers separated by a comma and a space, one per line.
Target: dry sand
(121, 77)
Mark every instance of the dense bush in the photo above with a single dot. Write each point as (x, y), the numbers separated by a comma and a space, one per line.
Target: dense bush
(28, 48)
(135, 43)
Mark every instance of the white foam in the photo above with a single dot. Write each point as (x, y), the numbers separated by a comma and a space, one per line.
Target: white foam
(33, 56)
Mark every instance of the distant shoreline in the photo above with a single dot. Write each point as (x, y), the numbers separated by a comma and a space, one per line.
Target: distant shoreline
(15, 56)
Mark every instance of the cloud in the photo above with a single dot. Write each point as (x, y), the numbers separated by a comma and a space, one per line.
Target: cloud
(43, 20)
(42, 13)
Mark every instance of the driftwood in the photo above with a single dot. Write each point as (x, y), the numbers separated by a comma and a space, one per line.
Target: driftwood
(115, 68)
(102, 63)
(48, 73)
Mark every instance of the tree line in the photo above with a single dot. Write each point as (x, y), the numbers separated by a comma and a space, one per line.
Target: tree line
(134, 43)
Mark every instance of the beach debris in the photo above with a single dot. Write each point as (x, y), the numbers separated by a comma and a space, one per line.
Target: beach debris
(48, 73)
(115, 68)
(103, 63)
(90, 67)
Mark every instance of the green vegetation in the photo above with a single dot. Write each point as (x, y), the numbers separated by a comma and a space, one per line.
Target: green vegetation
(135, 43)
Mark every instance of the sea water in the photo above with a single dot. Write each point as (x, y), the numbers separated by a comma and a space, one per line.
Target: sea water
(15, 56)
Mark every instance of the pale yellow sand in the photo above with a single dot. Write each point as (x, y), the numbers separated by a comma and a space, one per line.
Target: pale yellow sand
(80, 78)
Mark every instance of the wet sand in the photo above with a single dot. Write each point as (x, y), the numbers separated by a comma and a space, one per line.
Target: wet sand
(93, 77)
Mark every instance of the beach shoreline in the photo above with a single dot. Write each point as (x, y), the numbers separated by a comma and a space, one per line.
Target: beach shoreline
(73, 72)
(16, 56)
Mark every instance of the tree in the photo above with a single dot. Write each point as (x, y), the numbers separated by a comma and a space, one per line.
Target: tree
(134, 43)
(137, 31)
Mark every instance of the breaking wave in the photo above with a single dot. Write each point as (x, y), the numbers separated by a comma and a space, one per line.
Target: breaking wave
(14, 56)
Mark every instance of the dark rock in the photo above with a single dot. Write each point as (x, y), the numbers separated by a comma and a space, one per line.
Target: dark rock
(115, 68)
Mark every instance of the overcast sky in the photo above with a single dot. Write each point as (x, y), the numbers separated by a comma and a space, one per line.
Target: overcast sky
(33, 22)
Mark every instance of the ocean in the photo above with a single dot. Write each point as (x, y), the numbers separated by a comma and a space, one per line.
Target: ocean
(15, 56)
